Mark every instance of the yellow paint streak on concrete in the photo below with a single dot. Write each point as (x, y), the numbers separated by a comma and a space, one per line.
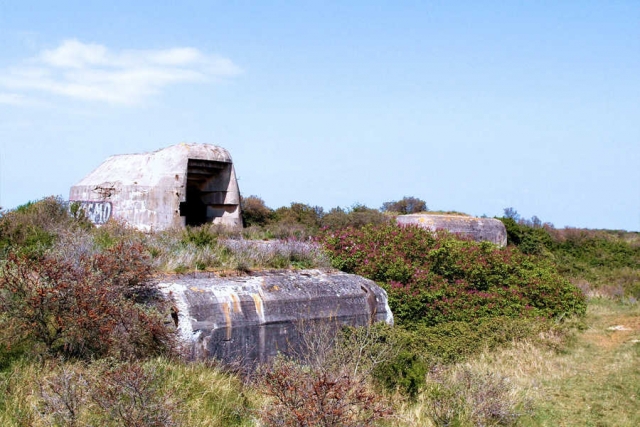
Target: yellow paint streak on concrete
(227, 317)
(259, 307)
(236, 303)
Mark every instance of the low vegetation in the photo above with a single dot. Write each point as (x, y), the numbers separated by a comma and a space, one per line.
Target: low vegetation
(598, 261)
(543, 332)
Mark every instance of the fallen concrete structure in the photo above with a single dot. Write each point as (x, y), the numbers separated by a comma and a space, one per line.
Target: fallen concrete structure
(185, 184)
(478, 229)
(250, 319)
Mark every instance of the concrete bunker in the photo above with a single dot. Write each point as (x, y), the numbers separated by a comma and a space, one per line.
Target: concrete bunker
(250, 319)
(185, 184)
(478, 229)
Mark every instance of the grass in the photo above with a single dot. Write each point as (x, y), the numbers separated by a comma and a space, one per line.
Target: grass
(214, 248)
(196, 394)
(591, 378)
(441, 212)
(597, 380)
(211, 397)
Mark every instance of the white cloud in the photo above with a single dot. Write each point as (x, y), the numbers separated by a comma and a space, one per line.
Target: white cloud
(94, 72)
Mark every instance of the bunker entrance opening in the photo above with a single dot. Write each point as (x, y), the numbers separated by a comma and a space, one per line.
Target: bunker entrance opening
(207, 182)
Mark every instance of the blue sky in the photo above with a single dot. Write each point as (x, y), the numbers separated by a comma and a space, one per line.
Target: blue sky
(472, 106)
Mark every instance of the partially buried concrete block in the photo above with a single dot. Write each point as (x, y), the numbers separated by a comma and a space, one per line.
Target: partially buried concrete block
(185, 184)
(251, 319)
(478, 229)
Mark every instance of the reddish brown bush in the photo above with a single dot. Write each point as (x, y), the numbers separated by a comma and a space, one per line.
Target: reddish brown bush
(126, 268)
(307, 397)
(134, 397)
(85, 307)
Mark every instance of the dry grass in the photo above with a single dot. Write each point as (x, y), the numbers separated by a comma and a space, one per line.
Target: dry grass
(158, 392)
(212, 248)
(496, 388)
(599, 380)
(453, 213)
(594, 380)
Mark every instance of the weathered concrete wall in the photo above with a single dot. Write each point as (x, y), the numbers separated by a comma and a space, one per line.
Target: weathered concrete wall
(252, 318)
(479, 229)
(147, 190)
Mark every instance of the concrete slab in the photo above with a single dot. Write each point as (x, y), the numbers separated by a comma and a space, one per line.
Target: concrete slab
(250, 319)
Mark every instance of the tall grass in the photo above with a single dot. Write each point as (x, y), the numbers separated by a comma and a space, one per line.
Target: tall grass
(158, 392)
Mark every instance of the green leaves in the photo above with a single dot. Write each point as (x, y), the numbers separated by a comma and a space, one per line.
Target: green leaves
(434, 278)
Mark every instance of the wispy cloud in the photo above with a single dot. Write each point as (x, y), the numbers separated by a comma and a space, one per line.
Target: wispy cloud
(93, 72)
(16, 99)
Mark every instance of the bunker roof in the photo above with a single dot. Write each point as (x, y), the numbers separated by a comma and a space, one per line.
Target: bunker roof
(148, 169)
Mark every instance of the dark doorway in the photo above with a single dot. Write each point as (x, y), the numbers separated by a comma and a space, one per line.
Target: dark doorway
(207, 182)
(194, 210)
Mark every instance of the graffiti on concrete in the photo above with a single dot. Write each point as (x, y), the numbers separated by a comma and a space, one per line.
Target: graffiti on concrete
(96, 212)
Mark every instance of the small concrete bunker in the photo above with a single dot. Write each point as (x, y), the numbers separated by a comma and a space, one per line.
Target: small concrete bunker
(478, 229)
(250, 319)
(185, 184)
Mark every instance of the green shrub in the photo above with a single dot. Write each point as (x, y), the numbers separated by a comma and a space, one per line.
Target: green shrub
(603, 258)
(407, 205)
(357, 216)
(436, 278)
(530, 240)
(255, 212)
(299, 213)
(34, 227)
(582, 249)
(404, 373)
(200, 236)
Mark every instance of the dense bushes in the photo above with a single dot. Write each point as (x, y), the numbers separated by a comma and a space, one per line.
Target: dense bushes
(85, 307)
(357, 216)
(301, 221)
(530, 240)
(254, 211)
(606, 259)
(436, 278)
(594, 249)
(69, 289)
(451, 298)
